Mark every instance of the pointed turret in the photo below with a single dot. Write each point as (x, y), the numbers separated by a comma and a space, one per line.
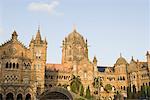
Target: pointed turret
(38, 35)
(14, 35)
(147, 54)
(132, 60)
(95, 60)
(45, 41)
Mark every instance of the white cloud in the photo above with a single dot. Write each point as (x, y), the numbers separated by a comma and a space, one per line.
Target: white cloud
(44, 7)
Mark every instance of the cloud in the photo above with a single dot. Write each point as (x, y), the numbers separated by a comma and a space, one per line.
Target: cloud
(44, 7)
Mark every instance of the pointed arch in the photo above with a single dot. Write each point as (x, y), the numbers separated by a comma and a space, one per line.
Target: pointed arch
(10, 96)
(19, 97)
(28, 97)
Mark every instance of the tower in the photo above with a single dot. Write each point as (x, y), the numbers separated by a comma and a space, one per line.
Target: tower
(74, 48)
(95, 66)
(148, 60)
(38, 48)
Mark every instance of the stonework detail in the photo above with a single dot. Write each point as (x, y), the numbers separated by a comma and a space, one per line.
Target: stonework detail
(25, 73)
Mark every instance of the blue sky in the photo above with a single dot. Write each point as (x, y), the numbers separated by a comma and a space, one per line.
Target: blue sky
(111, 26)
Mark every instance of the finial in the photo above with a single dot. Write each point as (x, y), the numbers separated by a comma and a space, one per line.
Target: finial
(147, 53)
(38, 28)
(74, 27)
(120, 54)
(132, 58)
(95, 59)
(14, 35)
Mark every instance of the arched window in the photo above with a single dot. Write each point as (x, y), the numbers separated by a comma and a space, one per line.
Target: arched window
(13, 65)
(17, 66)
(134, 89)
(85, 74)
(7, 65)
(121, 87)
(123, 78)
(10, 65)
(28, 97)
(19, 97)
(124, 88)
(0, 64)
(9, 96)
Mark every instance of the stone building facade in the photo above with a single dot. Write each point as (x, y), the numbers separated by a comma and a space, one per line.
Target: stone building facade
(25, 75)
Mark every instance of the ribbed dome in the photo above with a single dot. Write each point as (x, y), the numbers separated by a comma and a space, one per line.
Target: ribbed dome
(121, 61)
(75, 36)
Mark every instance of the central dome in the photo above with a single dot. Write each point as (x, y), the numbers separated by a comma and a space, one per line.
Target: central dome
(75, 37)
(121, 61)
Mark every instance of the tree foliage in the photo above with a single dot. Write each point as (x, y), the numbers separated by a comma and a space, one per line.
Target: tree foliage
(75, 84)
(88, 93)
(81, 90)
(108, 87)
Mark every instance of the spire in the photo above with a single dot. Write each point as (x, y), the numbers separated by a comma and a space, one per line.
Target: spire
(94, 60)
(38, 35)
(14, 35)
(132, 58)
(45, 41)
(32, 39)
(120, 54)
(147, 53)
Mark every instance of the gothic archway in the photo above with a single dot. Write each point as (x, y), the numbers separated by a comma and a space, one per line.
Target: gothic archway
(9, 96)
(56, 93)
(19, 97)
(28, 97)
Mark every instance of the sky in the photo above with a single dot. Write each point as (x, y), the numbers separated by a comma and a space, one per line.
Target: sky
(110, 26)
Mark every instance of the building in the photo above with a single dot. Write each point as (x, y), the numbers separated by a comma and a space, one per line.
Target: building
(25, 75)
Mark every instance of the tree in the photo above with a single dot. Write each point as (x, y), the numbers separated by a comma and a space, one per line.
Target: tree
(129, 93)
(75, 84)
(81, 90)
(88, 93)
(108, 87)
(148, 91)
(97, 84)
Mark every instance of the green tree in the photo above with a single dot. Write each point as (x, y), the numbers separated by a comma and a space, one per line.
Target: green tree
(148, 91)
(81, 90)
(129, 93)
(97, 84)
(75, 84)
(108, 87)
(88, 93)
(143, 91)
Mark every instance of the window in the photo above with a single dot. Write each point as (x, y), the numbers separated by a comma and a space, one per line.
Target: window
(7, 65)
(124, 88)
(38, 54)
(17, 66)
(0, 64)
(10, 65)
(13, 65)
(85, 74)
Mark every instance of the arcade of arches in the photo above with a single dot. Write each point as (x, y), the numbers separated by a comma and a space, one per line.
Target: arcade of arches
(11, 96)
